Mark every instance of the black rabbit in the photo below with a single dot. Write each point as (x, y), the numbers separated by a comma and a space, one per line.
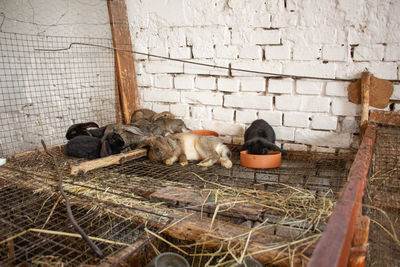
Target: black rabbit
(86, 128)
(90, 147)
(259, 139)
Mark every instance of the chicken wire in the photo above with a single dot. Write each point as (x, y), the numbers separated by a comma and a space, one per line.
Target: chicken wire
(383, 199)
(42, 93)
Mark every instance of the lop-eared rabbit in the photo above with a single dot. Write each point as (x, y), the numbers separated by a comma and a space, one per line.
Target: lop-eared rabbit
(259, 139)
(183, 147)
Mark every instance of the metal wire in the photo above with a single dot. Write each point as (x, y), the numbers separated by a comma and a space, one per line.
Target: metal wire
(42, 94)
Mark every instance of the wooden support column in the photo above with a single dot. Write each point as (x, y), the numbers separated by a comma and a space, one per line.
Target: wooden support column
(358, 250)
(365, 90)
(124, 60)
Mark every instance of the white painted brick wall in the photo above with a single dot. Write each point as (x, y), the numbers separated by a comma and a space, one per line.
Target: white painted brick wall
(324, 122)
(277, 52)
(281, 86)
(251, 52)
(179, 110)
(309, 87)
(295, 119)
(223, 114)
(207, 83)
(248, 101)
(246, 116)
(184, 82)
(228, 84)
(274, 118)
(161, 95)
(297, 38)
(253, 84)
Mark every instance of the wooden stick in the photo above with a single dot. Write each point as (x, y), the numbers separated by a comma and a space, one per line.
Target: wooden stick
(365, 88)
(86, 166)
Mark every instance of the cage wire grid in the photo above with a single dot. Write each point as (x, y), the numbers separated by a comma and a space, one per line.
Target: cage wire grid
(42, 93)
(383, 199)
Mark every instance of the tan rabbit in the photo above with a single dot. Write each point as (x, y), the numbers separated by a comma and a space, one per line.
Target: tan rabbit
(183, 147)
(141, 114)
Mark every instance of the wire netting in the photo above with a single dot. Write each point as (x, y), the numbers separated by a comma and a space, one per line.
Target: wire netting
(383, 199)
(42, 93)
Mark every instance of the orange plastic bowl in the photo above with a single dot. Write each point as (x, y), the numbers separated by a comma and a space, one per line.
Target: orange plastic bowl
(205, 132)
(272, 160)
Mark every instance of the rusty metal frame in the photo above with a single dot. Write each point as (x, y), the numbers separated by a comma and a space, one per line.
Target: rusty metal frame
(334, 247)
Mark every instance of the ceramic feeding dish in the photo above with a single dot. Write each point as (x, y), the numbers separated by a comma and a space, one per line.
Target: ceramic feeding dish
(272, 160)
(205, 132)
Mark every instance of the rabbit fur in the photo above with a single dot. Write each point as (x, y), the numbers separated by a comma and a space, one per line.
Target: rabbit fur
(259, 139)
(184, 147)
(86, 128)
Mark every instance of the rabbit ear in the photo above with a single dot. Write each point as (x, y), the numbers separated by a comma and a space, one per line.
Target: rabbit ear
(274, 147)
(133, 129)
(148, 142)
(105, 149)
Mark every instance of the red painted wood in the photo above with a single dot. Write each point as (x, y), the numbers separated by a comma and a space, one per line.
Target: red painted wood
(334, 247)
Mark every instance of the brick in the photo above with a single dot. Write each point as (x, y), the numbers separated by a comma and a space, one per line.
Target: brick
(248, 101)
(319, 149)
(208, 83)
(323, 122)
(142, 48)
(268, 67)
(228, 52)
(288, 102)
(203, 51)
(223, 114)
(163, 81)
(392, 52)
(253, 84)
(295, 119)
(192, 124)
(246, 116)
(280, 86)
(201, 112)
(224, 128)
(335, 52)
(309, 87)
(159, 107)
(367, 53)
(284, 133)
(176, 36)
(274, 118)
(310, 69)
(205, 98)
(164, 67)
(144, 80)
(251, 52)
(241, 36)
(323, 138)
(295, 147)
(384, 70)
(337, 88)
(228, 84)
(159, 50)
(315, 104)
(159, 95)
(179, 110)
(277, 52)
(265, 37)
(198, 69)
(284, 20)
(396, 92)
(342, 107)
(306, 52)
(180, 52)
(350, 125)
(184, 82)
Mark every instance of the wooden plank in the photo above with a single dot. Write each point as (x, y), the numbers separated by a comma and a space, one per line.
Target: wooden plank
(124, 60)
(385, 117)
(334, 247)
(86, 166)
(365, 91)
(206, 202)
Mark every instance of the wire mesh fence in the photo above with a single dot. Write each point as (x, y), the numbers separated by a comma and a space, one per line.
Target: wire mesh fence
(383, 199)
(42, 93)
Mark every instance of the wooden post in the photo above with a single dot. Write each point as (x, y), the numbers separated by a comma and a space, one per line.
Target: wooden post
(358, 250)
(365, 90)
(124, 60)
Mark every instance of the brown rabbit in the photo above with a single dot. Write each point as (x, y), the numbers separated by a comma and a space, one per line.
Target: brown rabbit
(141, 114)
(130, 134)
(171, 125)
(183, 147)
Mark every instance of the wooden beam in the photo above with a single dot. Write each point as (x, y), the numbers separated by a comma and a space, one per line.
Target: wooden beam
(358, 251)
(365, 91)
(89, 165)
(334, 247)
(385, 117)
(124, 60)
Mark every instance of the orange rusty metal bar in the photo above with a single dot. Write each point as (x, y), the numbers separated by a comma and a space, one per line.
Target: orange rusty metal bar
(334, 247)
